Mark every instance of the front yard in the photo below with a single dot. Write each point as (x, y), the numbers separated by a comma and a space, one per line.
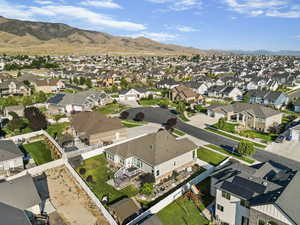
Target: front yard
(97, 168)
(209, 156)
(132, 123)
(148, 102)
(39, 151)
(112, 108)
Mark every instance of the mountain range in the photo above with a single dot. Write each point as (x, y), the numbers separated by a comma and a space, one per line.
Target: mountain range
(40, 38)
(267, 52)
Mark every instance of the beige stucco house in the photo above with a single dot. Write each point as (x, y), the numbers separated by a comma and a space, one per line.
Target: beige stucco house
(253, 116)
(48, 85)
(95, 128)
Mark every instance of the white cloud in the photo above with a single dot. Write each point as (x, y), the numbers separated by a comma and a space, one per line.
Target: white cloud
(101, 4)
(66, 12)
(155, 36)
(186, 29)
(40, 2)
(180, 5)
(294, 14)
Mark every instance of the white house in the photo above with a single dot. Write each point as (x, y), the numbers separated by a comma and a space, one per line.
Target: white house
(157, 153)
(2, 65)
(263, 194)
(295, 133)
(135, 94)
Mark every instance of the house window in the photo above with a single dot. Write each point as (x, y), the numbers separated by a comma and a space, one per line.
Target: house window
(245, 203)
(226, 195)
(220, 208)
(157, 173)
(261, 222)
(245, 220)
(194, 154)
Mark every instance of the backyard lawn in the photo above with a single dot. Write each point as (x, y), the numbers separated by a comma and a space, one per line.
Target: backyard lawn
(182, 212)
(112, 108)
(217, 148)
(97, 168)
(39, 151)
(209, 156)
(56, 130)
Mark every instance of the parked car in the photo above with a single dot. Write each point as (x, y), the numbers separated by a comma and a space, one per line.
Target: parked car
(279, 139)
(289, 138)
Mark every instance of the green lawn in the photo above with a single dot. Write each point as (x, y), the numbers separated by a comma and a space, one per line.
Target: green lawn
(235, 137)
(112, 108)
(97, 168)
(56, 130)
(39, 151)
(182, 212)
(263, 136)
(147, 102)
(178, 132)
(132, 123)
(209, 156)
(217, 148)
(229, 127)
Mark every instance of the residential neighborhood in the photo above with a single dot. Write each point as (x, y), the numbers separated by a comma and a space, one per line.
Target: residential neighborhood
(151, 140)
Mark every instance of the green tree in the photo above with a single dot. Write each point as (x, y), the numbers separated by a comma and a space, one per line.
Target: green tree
(180, 108)
(221, 123)
(246, 148)
(147, 189)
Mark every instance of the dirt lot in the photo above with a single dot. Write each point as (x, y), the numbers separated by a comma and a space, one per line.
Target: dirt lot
(72, 204)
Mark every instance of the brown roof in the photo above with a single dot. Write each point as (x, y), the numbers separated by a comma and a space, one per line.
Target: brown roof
(185, 91)
(125, 208)
(46, 82)
(154, 148)
(90, 123)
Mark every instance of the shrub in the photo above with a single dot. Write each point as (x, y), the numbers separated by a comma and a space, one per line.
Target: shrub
(246, 148)
(89, 179)
(139, 116)
(147, 178)
(124, 115)
(172, 122)
(82, 171)
(147, 189)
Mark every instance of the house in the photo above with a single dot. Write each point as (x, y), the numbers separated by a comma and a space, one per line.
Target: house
(167, 83)
(94, 128)
(135, 94)
(295, 133)
(153, 220)
(157, 153)
(297, 105)
(13, 87)
(184, 93)
(276, 99)
(18, 109)
(19, 201)
(125, 210)
(253, 116)
(233, 93)
(266, 193)
(48, 85)
(77, 102)
(11, 157)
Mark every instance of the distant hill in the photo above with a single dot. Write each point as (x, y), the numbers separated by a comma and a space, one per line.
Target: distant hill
(266, 52)
(27, 37)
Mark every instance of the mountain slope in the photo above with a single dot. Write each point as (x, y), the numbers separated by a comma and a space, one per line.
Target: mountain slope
(26, 37)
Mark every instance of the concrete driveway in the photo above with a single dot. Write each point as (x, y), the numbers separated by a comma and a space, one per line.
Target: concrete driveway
(288, 149)
(201, 120)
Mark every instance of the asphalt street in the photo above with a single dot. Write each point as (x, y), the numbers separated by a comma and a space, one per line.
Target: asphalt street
(161, 116)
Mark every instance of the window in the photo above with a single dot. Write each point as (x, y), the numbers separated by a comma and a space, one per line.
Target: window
(174, 163)
(157, 172)
(220, 208)
(245, 203)
(226, 195)
(194, 154)
(261, 222)
(245, 220)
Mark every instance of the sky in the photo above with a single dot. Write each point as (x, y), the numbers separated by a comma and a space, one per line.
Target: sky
(204, 24)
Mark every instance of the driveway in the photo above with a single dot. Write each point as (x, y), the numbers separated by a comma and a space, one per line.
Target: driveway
(146, 129)
(288, 149)
(161, 116)
(132, 104)
(201, 120)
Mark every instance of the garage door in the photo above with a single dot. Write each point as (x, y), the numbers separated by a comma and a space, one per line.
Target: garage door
(131, 98)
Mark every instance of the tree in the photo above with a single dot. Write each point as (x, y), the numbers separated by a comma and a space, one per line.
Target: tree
(172, 122)
(139, 116)
(37, 120)
(147, 189)
(41, 97)
(246, 148)
(124, 115)
(180, 108)
(221, 123)
(16, 124)
(147, 178)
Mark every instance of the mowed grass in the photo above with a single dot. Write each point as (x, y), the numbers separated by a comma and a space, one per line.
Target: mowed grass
(97, 168)
(39, 151)
(243, 158)
(210, 157)
(57, 130)
(112, 108)
(132, 123)
(182, 212)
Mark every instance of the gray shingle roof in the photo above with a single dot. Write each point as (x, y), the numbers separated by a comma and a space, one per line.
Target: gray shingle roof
(9, 150)
(154, 148)
(12, 216)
